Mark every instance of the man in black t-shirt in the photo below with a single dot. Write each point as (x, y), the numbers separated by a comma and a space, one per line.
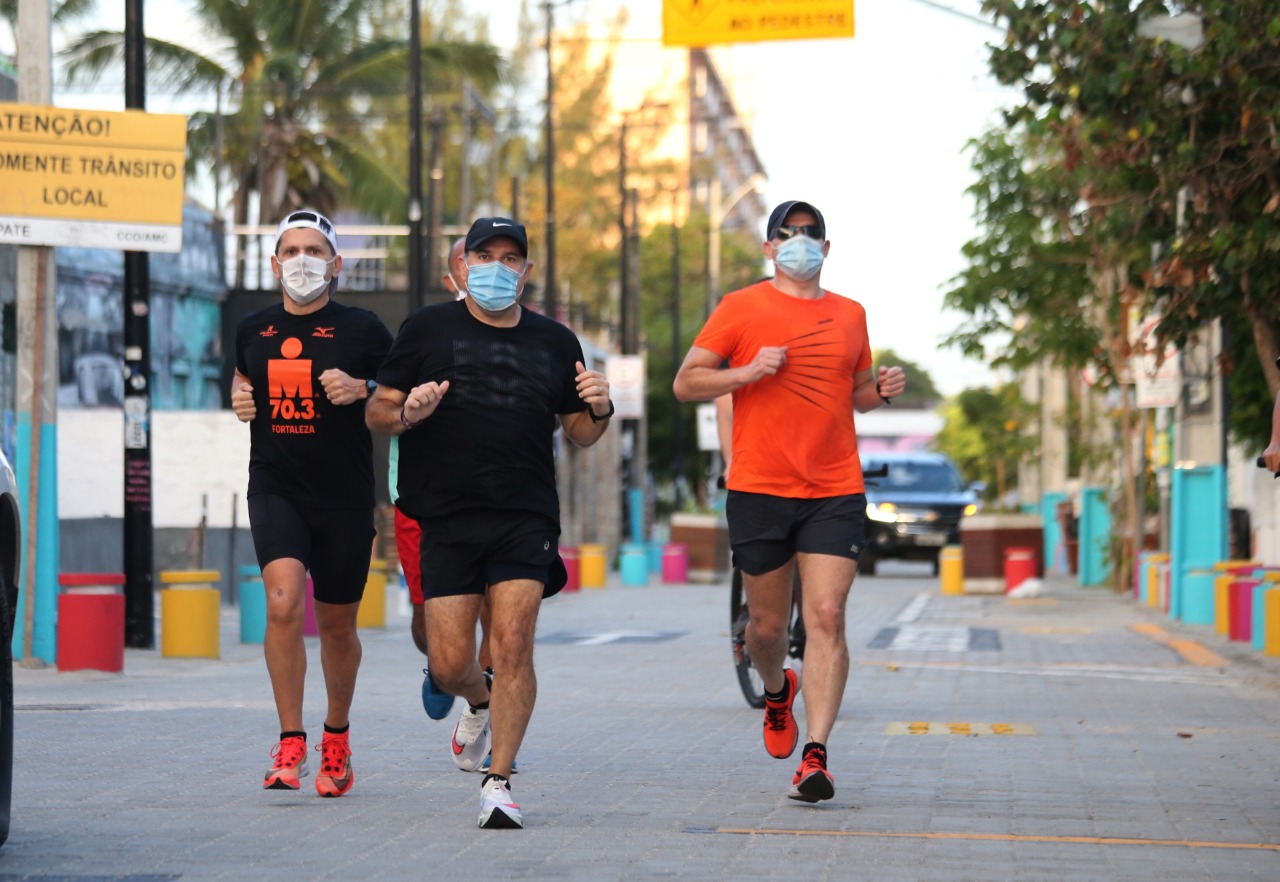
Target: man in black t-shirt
(303, 369)
(474, 388)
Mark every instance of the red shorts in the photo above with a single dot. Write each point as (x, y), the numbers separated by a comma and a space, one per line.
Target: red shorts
(409, 546)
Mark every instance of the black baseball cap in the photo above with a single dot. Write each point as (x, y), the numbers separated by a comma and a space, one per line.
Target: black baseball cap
(779, 216)
(486, 228)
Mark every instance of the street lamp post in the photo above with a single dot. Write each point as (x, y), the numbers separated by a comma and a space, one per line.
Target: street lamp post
(717, 212)
(415, 156)
(549, 294)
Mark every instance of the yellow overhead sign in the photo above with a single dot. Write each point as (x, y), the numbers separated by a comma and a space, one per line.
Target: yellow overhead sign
(91, 178)
(708, 22)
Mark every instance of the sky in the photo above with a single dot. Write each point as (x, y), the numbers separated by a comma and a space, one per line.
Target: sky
(872, 129)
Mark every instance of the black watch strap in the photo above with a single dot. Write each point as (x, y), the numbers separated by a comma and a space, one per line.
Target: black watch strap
(596, 419)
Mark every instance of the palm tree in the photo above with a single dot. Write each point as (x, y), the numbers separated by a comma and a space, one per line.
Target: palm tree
(301, 78)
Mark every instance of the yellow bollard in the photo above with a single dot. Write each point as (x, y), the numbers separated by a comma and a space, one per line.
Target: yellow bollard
(373, 606)
(591, 566)
(1153, 578)
(951, 569)
(1221, 615)
(1271, 616)
(190, 614)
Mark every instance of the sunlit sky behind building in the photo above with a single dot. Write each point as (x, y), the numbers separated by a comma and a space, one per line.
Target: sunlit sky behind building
(870, 129)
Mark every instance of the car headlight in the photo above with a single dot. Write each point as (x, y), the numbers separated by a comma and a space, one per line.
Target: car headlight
(885, 512)
(971, 508)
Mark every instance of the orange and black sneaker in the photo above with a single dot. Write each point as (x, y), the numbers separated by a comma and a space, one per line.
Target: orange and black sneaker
(290, 755)
(780, 730)
(336, 775)
(812, 782)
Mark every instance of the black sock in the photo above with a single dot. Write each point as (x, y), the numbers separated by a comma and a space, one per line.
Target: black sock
(776, 697)
(490, 776)
(284, 735)
(814, 745)
(333, 731)
(484, 705)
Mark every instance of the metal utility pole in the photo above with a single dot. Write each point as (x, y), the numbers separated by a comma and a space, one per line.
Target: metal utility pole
(415, 156)
(549, 291)
(435, 199)
(139, 621)
(624, 243)
(37, 400)
(677, 439)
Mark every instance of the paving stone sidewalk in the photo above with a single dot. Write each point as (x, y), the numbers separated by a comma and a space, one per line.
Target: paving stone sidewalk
(980, 738)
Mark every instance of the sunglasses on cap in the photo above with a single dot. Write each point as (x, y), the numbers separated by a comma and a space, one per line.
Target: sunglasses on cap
(313, 218)
(813, 231)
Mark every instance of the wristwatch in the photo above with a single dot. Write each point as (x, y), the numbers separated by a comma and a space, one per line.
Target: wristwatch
(369, 387)
(596, 419)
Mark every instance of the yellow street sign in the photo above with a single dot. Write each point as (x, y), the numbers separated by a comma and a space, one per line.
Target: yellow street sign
(709, 22)
(91, 178)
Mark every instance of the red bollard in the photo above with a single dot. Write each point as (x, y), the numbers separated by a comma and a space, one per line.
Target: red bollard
(1019, 565)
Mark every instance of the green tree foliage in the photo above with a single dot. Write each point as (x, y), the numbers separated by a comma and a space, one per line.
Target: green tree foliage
(300, 79)
(742, 264)
(986, 435)
(921, 392)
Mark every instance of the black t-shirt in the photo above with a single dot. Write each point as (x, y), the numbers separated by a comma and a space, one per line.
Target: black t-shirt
(488, 443)
(304, 447)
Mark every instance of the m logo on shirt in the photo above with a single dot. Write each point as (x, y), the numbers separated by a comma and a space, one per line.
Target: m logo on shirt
(290, 389)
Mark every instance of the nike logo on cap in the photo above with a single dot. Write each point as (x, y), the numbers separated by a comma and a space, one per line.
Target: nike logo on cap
(496, 224)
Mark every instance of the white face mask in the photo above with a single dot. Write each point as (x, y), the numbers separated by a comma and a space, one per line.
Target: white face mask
(462, 292)
(303, 277)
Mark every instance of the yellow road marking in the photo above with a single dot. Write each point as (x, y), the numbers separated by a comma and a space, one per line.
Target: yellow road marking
(1011, 837)
(922, 728)
(1190, 650)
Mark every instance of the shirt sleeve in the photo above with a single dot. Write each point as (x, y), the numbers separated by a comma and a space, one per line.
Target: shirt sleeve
(400, 367)
(569, 400)
(377, 345)
(720, 333)
(242, 365)
(864, 358)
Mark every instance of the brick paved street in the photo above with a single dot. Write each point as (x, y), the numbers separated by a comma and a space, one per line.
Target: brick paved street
(980, 739)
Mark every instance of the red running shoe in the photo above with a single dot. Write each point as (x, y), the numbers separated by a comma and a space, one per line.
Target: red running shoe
(812, 781)
(780, 730)
(290, 764)
(336, 776)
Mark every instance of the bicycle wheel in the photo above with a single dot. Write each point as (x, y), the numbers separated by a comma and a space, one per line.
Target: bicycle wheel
(748, 679)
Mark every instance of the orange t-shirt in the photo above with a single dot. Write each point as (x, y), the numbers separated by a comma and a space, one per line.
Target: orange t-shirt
(793, 432)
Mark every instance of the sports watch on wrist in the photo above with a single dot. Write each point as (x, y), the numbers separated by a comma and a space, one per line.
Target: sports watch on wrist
(596, 419)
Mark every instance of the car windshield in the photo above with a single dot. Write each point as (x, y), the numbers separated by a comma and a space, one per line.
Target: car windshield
(917, 477)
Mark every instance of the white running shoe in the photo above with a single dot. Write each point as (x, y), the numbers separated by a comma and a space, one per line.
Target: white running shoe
(471, 739)
(498, 811)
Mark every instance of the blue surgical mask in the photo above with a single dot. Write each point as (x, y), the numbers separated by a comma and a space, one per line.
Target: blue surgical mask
(799, 257)
(493, 286)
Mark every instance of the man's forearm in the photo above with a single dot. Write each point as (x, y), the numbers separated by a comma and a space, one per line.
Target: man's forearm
(383, 415)
(706, 384)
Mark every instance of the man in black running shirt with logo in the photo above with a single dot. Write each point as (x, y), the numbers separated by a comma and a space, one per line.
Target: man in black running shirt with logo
(303, 368)
(475, 390)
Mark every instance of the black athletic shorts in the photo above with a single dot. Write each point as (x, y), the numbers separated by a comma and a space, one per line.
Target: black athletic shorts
(335, 545)
(767, 531)
(468, 551)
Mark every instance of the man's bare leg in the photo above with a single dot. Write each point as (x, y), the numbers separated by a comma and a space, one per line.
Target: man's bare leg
(827, 580)
(767, 634)
(340, 654)
(513, 622)
(285, 582)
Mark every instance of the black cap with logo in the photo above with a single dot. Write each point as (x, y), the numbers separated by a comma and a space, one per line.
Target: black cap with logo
(779, 216)
(486, 228)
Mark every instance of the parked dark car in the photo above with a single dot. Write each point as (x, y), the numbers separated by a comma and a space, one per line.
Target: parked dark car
(913, 508)
(10, 555)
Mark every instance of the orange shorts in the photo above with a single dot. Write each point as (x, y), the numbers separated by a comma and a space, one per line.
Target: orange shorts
(409, 547)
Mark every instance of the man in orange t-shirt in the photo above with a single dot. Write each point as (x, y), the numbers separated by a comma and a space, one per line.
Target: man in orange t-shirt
(799, 365)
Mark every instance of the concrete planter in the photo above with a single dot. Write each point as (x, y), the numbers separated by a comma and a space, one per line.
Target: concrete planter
(985, 538)
(706, 538)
